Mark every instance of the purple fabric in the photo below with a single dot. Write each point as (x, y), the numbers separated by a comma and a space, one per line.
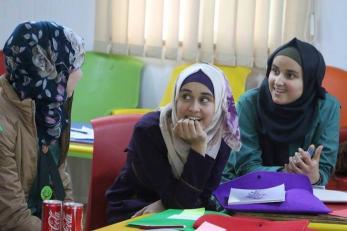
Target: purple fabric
(299, 194)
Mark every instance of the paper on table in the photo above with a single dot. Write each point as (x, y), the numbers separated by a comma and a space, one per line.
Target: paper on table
(254, 196)
(330, 195)
(340, 213)
(206, 226)
(189, 214)
(82, 133)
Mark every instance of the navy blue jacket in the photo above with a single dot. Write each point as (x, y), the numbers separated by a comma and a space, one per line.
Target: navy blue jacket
(147, 177)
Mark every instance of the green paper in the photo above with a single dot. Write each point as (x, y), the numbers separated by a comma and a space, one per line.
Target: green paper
(162, 220)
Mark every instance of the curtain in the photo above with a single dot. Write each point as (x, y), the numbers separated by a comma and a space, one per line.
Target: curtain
(227, 32)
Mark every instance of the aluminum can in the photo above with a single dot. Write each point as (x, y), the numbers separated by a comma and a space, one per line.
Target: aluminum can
(51, 215)
(72, 216)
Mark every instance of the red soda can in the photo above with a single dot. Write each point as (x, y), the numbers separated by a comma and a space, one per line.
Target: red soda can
(72, 216)
(51, 215)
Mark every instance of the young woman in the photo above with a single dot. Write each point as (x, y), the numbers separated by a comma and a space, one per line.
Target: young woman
(43, 63)
(286, 115)
(176, 155)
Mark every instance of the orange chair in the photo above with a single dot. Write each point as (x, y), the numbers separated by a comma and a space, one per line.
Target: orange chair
(2, 63)
(111, 137)
(335, 81)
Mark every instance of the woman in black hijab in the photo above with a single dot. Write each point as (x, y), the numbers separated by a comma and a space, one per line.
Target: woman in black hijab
(288, 114)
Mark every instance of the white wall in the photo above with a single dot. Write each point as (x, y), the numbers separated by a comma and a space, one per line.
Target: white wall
(77, 14)
(332, 31)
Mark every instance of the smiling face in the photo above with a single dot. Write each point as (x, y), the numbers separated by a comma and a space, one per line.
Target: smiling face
(195, 101)
(285, 80)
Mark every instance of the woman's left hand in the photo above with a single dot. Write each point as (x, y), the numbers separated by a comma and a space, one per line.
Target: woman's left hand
(302, 163)
(155, 207)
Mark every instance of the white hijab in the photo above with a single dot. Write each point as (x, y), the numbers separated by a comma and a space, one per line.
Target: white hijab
(224, 124)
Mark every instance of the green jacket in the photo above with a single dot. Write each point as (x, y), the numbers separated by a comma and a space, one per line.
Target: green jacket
(325, 131)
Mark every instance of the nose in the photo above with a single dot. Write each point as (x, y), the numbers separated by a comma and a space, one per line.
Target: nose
(194, 106)
(279, 80)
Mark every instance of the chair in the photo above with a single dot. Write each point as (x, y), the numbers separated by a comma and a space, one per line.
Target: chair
(2, 63)
(236, 76)
(111, 137)
(108, 82)
(335, 81)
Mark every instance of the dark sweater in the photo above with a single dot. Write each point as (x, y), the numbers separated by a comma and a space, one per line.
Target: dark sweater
(147, 177)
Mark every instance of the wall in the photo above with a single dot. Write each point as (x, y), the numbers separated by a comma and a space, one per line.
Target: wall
(77, 14)
(332, 31)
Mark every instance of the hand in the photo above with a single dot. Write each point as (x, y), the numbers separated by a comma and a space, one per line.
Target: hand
(155, 207)
(302, 163)
(192, 133)
(44, 149)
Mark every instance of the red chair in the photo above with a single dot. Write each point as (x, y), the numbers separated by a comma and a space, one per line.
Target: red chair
(2, 63)
(111, 137)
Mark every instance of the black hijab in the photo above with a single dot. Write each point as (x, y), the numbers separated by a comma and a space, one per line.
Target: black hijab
(283, 124)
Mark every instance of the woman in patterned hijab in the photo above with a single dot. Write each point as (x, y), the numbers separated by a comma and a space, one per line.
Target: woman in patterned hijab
(39, 59)
(43, 61)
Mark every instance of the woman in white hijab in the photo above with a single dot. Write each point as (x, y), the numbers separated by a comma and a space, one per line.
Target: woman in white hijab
(176, 155)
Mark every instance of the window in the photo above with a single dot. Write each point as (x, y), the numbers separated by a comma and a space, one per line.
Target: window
(227, 32)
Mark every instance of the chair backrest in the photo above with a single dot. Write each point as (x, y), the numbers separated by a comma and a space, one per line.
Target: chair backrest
(108, 82)
(2, 63)
(335, 82)
(111, 137)
(236, 76)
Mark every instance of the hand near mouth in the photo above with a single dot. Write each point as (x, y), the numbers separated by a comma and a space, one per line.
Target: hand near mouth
(192, 133)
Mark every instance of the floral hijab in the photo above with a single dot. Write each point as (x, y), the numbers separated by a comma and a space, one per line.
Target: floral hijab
(39, 58)
(224, 124)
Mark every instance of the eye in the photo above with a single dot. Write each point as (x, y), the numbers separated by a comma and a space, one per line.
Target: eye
(205, 100)
(275, 70)
(291, 75)
(186, 97)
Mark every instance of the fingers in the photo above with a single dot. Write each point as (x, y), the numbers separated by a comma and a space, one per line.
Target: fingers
(317, 153)
(293, 165)
(140, 212)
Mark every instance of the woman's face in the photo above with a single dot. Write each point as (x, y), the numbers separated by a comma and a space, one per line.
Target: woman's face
(195, 101)
(74, 77)
(285, 80)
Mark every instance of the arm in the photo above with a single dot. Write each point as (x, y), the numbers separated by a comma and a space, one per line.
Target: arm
(249, 158)
(66, 180)
(153, 169)
(329, 138)
(14, 212)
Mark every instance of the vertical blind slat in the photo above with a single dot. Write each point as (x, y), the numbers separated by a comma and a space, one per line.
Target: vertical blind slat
(228, 32)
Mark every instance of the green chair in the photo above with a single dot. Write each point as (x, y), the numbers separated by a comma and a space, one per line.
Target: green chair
(109, 82)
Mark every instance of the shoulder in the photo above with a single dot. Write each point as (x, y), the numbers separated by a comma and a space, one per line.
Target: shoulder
(249, 97)
(149, 122)
(329, 104)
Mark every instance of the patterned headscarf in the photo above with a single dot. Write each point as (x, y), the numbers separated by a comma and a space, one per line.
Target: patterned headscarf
(39, 58)
(224, 124)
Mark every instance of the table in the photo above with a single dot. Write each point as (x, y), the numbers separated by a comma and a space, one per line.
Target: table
(81, 150)
(315, 224)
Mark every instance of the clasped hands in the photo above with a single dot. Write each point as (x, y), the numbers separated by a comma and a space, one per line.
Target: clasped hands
(303, 163)
(191, 132)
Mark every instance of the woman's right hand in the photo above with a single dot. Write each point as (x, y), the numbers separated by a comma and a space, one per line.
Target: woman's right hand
(192, 133)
